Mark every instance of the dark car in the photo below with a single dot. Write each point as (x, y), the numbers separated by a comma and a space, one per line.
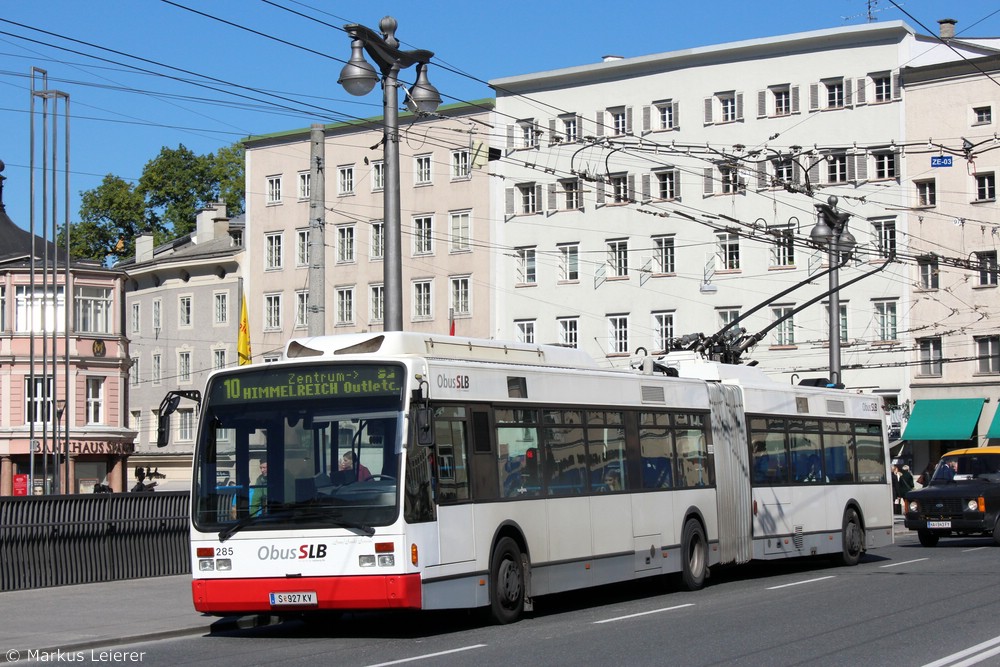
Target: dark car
(962, 498)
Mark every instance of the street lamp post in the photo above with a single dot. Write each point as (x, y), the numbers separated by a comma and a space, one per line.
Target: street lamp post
(831, 232)
(359, 78)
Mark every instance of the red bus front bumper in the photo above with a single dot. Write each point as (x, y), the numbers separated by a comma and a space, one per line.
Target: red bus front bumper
(252, 596)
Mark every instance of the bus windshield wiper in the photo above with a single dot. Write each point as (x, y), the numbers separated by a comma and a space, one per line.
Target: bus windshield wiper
(293, 511)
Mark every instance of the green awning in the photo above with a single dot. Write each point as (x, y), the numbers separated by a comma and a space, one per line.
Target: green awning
(943, 419)
(994, 431)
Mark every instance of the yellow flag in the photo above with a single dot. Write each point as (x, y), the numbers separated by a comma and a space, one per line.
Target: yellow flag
(243, 343)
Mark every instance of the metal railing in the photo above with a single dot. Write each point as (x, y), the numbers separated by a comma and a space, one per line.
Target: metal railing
(80, 539)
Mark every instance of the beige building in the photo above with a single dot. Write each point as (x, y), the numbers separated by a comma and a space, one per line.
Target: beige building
(447, 259)
(951, 168)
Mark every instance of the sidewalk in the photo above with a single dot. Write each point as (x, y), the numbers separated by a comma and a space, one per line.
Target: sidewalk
(104, 614)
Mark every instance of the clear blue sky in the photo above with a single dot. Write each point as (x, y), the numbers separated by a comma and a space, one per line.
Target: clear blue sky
(121, 117)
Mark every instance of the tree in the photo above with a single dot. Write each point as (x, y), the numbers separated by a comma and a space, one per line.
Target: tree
(112, 215)
(229, 173)
(177, 184)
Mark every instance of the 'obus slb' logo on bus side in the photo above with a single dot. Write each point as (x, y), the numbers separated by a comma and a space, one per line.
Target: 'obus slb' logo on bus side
(292, 553)
(453, 382)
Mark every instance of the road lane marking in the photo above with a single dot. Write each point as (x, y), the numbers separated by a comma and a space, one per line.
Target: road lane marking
(965, 551)
(797, 583)
(643, 613)
(905, 562)
(952, 660)
(428, 656)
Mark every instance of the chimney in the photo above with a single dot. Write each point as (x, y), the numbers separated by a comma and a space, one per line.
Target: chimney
(144, 247)
(211, 223)
(947, 28)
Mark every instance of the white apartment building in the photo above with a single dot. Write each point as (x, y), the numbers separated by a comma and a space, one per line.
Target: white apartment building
(646, 198)
(952, 164)
(447, 261)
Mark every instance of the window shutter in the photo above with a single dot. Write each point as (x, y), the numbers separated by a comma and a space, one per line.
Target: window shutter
(509, 196)
(599, 190)
(631, 188)
(814, 171)
(862, 95)
(537, 132)
(895, 162)
(761, 103)
(600, 123)
(647, 119)
(762, 175)
(709, 184)
(538, 196)
(708, 111)
(896, 92)
(628, 120)
(510, 136)
(861, 168)
(645, 188)
(739, 106)
(553, 204)
(813, 96)
(795, 99)
(552, 131)
(796, 172)
(677, 184)
(848, 92)
(851, 171)
(579, 128)
(677, 116)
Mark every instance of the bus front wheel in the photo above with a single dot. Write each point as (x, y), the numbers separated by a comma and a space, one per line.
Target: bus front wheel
(694, 555)
(507, 582)
(853, 538)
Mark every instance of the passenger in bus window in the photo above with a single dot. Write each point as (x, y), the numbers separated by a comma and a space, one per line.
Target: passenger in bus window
(349, 461)
(813, 471)
(258, 494)
(612, 481)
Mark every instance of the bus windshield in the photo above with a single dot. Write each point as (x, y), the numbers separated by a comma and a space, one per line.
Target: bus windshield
(328, 458)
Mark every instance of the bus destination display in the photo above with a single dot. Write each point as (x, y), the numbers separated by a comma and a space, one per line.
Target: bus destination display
(284, 384)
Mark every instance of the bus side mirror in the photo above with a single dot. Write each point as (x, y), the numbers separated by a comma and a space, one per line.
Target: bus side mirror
(425, 426)
(167, 408)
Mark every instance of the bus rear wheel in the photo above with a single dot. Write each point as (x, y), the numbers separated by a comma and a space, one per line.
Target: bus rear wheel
(853, 538)
(694, 556)
(507, 582)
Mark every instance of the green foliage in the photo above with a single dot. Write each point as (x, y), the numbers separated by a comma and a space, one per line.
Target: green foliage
(173, 187)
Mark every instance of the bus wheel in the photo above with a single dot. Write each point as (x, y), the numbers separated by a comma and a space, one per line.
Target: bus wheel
(853, 537)
(507, 581)
(694, 556)
(929, 539)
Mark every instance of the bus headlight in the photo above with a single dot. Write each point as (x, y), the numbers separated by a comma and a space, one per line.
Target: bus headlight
(206, 565)
(367, 560)
(386, 560)
(224, 564)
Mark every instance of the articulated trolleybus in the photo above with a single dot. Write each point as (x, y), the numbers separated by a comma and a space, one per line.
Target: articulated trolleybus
(411, 471)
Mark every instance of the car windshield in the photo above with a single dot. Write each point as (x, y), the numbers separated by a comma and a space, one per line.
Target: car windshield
(960, 467)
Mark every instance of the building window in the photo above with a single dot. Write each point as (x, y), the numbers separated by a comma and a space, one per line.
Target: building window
(666, 115)
(727, 316)
(95, 401)
(345, 180)
(302, 247)
(157, 375)
(376, 303)
(345, 305)
(619, 188)
(133, 373)
(782, 101)
(136, 322)
(783, 251)
(884, 235)
(987, 261)
(569, 262)
(305, 181)
(731, 182)
(783, 170)
(982, 115)
(93, 309)
(882, 83)
(525, 331)
(618, 334)
(666, 183)
(885, 320)
(345, 244)
(460, 165)
(461, 231)
(529, 198)
(571, 130)
(221, 307)
(618, 258)
(529, 133)
(184, 311)
(301, 310)
(461, 297)
(727, 102)
(572, 195)
(38, 393)
(184, 367)
(836, 168)
(728, 251)
(525, 266)
(3, 308)
(664, 260)
(928, 267)
(569, 331)
(930, 356)
(986, 187)
(272, 252)
(274, 189)
(378, 176)
(377, 248)
(926, 193)
(834, 93)
(619, 121)
(885, 165)
(988, 353)
(422, 299)
(272, 312)
(423, 235)
(663, 331)
(423, 169)
(38, 311)
(784, 331)
(185, 425)
(218, 359)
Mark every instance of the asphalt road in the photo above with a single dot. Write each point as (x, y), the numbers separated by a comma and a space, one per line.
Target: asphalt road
(903, 605)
